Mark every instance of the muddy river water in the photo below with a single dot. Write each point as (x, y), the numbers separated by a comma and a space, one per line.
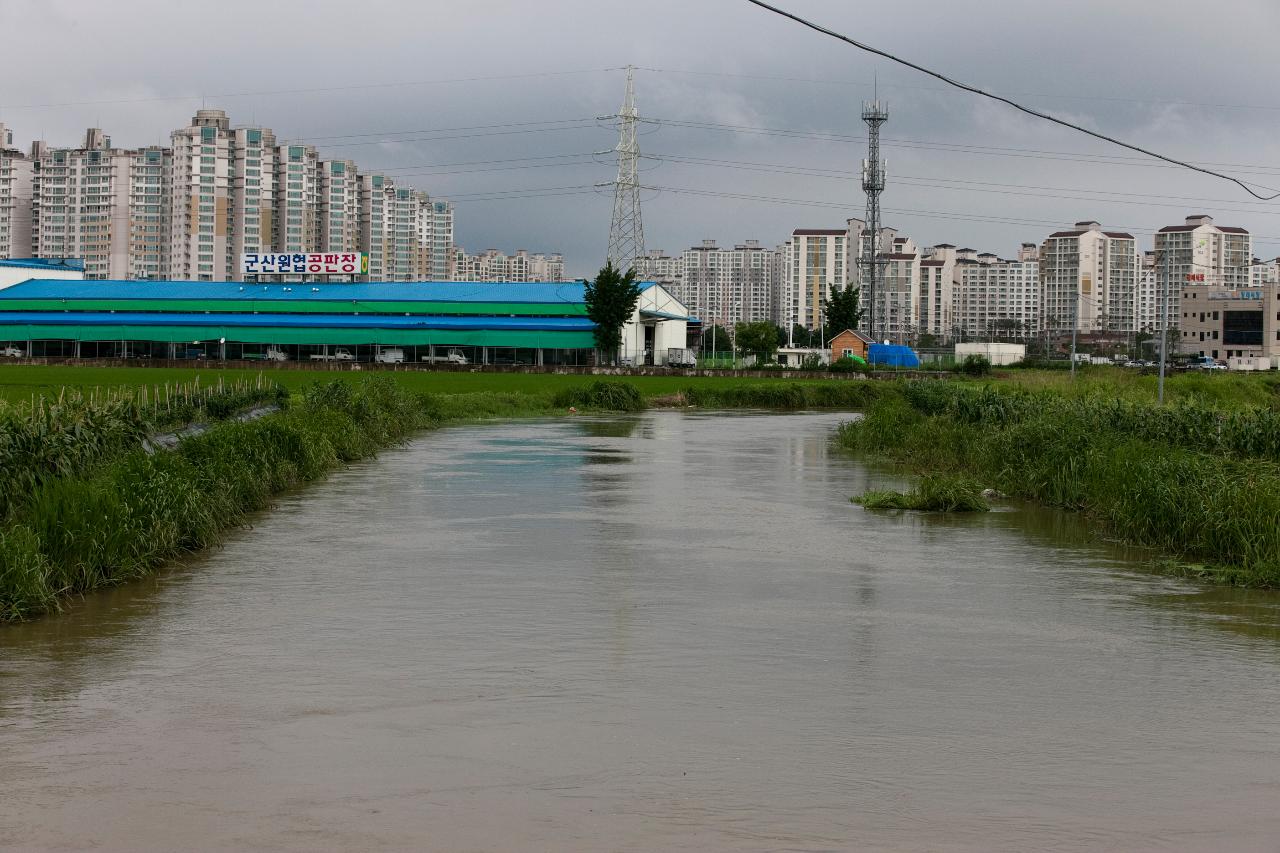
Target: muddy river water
(665, 632)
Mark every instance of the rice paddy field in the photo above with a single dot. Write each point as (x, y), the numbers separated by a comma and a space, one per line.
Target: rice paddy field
(20, 383)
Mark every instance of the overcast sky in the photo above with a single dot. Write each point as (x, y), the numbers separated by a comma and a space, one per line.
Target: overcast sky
(1193, 80)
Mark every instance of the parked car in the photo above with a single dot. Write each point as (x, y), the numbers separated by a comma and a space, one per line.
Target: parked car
(1204, 362)
(12, 352)
(390, 355)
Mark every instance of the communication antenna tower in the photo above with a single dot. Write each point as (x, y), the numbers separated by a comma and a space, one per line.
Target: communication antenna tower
(874, 113)
(626, 231)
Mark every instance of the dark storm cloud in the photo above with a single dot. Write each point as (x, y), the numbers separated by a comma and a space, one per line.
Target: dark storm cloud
(1190, 80)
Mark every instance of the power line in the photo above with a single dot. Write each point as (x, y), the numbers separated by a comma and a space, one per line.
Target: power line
(955, 147)
(883, 85)
(1028, 110)
(315, 90)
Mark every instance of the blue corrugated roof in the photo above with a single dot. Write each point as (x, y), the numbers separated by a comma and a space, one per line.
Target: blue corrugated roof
(309, 321)
(570, 292)
(44, 263)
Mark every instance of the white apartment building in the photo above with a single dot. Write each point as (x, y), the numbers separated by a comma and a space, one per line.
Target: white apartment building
(16, 174)
(492, 265)
(818, 259)
(660, 268)
(1264, 272)
(728, 286)
(1090, 279)
(437, 220)
(338, 207)
(254, 156)
(1222, 254)
(87, 201)
(936, 300)
(200, 242)
(893, 313)
(297, 195)
(998, 298)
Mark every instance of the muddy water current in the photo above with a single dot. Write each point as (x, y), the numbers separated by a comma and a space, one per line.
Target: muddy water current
(666, 632)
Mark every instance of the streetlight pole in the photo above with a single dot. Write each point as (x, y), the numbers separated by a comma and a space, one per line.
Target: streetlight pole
(1075, 321)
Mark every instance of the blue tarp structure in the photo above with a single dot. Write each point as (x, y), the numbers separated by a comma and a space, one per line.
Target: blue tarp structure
(892, 355)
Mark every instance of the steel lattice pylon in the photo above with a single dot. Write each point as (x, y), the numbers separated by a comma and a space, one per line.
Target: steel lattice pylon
(626, 231)
(874, 113)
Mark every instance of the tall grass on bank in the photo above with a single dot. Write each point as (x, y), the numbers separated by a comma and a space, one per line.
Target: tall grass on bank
(787, 396)
(70, 435)
(1191, 480)
(603, 395)
(134, 512)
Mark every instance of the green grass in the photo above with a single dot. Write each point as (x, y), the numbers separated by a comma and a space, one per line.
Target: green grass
(935, 493)
(124, 512)
(20, 383)
(1197, 481)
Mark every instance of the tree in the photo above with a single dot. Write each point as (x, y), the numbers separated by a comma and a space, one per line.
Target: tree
(758, 339)
(611, 301)
(717, 339)
(803, 337)
(843, 310)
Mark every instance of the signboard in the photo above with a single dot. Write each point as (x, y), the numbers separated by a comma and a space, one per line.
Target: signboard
(1195, 276)
(1236, 294)
(311, 263)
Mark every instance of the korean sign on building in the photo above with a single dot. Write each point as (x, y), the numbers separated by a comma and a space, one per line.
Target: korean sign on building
(312, 263)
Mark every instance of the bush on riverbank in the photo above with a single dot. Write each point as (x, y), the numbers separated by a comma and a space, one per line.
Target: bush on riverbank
(1192, 480)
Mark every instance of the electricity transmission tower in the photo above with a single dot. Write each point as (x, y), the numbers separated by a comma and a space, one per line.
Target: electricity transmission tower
(626, 231)
(874, 113)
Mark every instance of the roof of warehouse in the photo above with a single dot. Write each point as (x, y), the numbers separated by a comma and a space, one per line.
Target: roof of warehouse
(43, 264)
(327, 321)
(407, 291)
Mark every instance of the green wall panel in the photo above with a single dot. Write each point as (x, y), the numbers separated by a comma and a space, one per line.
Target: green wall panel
(288, 335)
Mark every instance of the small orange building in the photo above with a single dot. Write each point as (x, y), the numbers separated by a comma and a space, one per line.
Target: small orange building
(850, 342)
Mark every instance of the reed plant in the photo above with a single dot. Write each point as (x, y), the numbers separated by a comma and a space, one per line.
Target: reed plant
(1199, 482)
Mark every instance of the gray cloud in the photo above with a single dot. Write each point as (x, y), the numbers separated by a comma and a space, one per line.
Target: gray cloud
(1196, 83)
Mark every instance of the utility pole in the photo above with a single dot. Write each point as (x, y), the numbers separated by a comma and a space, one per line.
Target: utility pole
(874, 113)
(626, 230)
(1164, 323)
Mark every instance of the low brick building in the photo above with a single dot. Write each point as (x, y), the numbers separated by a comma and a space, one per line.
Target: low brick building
(849, 343)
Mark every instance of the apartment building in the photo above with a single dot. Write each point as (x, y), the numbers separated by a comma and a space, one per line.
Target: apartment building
(252, 209)
(492, 265)
(817, 260)
(16, 174)
(893, 313)
(1200, 252)
(338, 206)
(998, 298)
(437, 219)
(199, 200)
(297, 186)
(1264, 272)
(728, 286)
(102, 204)
(1090, 279)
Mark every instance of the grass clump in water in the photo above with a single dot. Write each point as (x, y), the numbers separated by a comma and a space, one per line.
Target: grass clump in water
(935, 493)
(603, 395)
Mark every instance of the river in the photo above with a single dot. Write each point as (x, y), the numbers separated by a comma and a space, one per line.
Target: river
(664, 632)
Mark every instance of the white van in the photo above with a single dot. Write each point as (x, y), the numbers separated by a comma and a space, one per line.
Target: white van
(390, 355)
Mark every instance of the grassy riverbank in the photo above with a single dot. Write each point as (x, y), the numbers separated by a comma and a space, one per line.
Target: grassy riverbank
(1196, 480)
(106, 510)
